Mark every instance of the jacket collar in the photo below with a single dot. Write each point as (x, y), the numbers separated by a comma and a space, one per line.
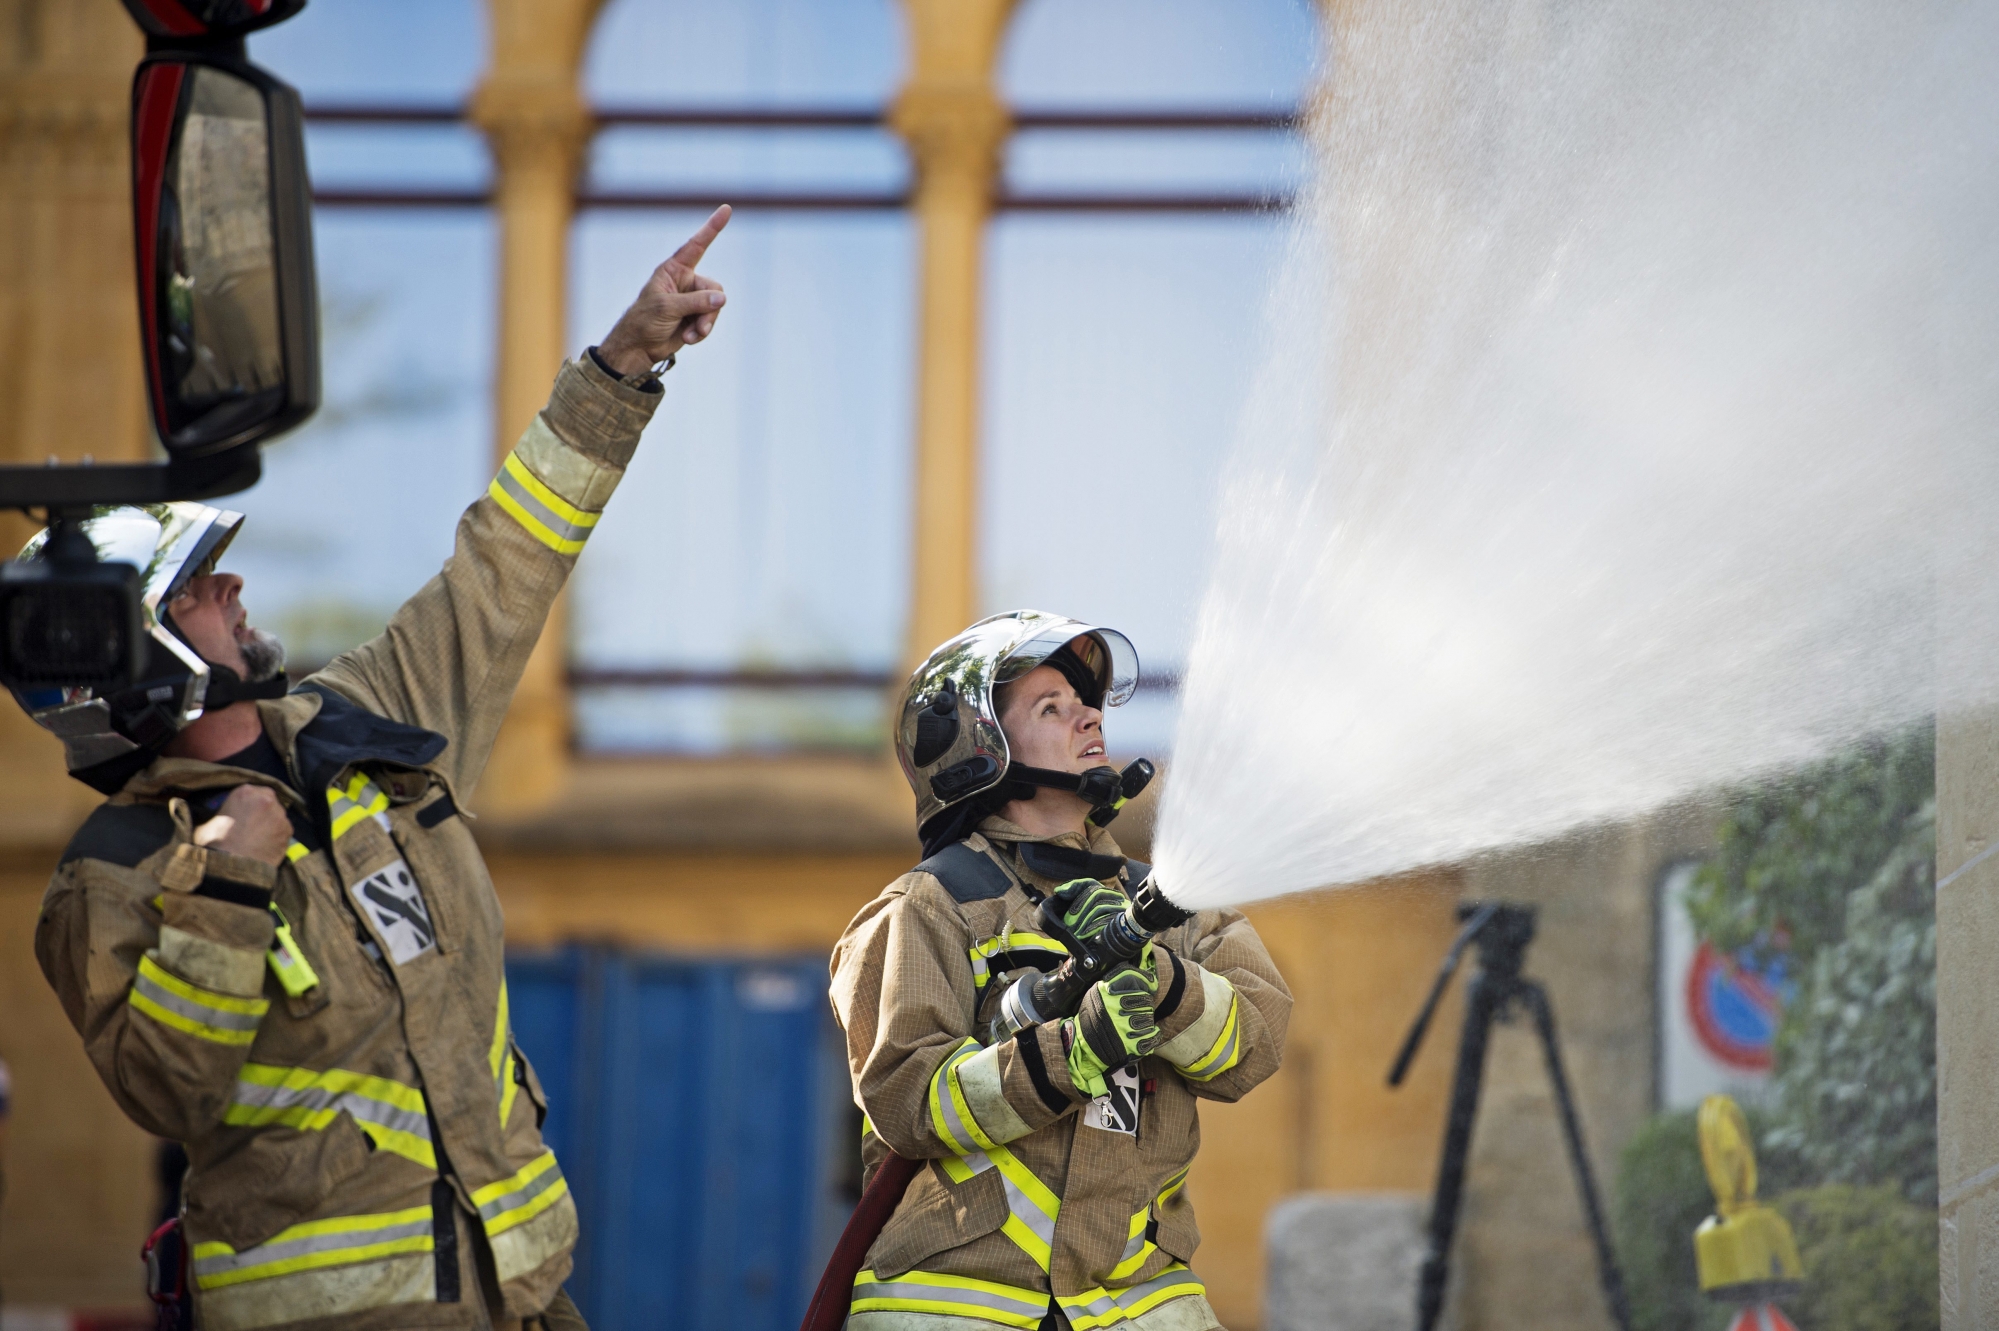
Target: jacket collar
(1009, 837)
(318, 732)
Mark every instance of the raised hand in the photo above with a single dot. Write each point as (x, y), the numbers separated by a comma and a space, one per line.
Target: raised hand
(677, 307)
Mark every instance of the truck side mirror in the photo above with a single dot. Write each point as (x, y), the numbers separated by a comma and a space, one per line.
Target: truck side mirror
(208, 18)
(222, 211)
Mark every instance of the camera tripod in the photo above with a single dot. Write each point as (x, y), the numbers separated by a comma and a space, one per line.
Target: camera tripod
(1502, 931)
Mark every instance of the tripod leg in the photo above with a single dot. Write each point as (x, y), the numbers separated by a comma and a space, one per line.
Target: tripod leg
(1449, 1198)
(1606, 1259)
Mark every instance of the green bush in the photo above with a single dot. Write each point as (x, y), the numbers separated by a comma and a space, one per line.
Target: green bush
(1836, 866)
(1870, 1259)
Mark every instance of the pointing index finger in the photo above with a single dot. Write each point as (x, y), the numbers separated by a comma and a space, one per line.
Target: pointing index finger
(689, 254)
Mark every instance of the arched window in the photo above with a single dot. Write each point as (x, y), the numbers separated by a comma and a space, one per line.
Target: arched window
(357, 509)
(763, 526)
(1120, 341)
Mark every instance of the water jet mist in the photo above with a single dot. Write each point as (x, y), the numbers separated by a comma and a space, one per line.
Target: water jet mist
(1626, 368)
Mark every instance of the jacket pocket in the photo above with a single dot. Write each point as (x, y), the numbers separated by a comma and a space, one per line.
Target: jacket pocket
(937, 1215)
(262, 1181)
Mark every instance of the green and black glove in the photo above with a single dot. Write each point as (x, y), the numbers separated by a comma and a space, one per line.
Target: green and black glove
(1088, 907)
(1113, 1027)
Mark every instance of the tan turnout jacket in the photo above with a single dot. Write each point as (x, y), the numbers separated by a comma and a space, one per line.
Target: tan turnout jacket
(1024, 1195)
(367, 1154)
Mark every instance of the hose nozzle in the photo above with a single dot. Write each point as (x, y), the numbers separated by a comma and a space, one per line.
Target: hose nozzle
(1036, 999)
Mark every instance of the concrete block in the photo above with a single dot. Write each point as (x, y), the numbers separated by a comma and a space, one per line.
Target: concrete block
(1343, 1261)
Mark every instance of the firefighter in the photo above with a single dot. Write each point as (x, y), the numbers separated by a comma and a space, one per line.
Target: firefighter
(277, 937)
(1057, 1159)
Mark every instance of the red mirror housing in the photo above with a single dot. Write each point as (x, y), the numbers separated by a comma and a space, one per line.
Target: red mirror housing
(228, 304)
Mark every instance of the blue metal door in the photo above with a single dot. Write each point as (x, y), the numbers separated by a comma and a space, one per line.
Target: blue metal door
(696, 1106)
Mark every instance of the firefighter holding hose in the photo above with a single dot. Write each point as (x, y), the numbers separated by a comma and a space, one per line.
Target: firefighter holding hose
(1054, 1108)
(277, 937)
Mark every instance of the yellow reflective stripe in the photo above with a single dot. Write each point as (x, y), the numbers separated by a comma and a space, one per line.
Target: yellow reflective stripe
(1137, 1248)
(960, 1170)
(361, 799)
(501, 1058)
(393, 1115)
(1173, 1185)
(517, 1200)
(174, 1003)
(1224, 1053)
(296, 851)
(338, 1241)
(982, 952)
(944, 1111)
(1172, 1283)
(1032, 1209)
(512, 1090)
(962, 1107)
(1097, 1308)
(952, 1296)
(544, 514)
(173, 984)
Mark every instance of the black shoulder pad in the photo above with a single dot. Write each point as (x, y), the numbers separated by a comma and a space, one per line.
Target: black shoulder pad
(1136, 871)
(121, 834)
(966, 874)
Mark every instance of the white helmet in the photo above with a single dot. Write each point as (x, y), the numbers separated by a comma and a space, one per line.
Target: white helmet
(948, 735)
(110, 734)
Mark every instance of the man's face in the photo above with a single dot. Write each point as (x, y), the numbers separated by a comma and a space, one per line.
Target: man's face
(210, 616)
(1047, 725)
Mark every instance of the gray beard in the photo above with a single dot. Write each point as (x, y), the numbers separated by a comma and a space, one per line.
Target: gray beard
(263, 655)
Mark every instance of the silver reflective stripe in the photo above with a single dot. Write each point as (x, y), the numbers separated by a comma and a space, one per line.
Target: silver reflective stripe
(1137, 1244)
(1177, 1274)
(195, 1012)
(1102, 1305)
(270, 1253)
(977, 1298)
(560, 526)
(527, 1192)
(1025, 1211)
(319, 1097)
(1223, 1061)
(940, 1091)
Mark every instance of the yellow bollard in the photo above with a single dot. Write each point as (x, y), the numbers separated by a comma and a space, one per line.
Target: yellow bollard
(1745, 1253)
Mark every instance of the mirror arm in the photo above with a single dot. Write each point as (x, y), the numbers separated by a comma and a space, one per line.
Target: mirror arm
(84, 485)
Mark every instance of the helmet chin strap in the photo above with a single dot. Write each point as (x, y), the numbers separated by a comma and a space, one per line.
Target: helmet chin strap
(1098, 787)
(1105, 789)
(225, 686)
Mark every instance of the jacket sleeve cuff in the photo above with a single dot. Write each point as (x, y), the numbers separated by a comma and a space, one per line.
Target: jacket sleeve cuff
(241, 869)
(219, 922)
(597, 414)
(1182, 997)
(1211, 1042)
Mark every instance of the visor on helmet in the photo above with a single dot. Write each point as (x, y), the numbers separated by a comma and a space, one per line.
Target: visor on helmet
(107, 737)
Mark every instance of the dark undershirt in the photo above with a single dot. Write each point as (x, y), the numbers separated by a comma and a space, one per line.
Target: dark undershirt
(263, 758)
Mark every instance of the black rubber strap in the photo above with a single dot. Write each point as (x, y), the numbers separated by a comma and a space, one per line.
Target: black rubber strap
(236, 894)
(1037, 1070)
(1176, 991)
(444, 1240)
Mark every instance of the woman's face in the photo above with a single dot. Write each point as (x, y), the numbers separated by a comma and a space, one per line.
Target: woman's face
(1047, 725)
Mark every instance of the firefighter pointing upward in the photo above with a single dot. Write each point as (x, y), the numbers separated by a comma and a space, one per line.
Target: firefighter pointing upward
(1058, 1158)
(277, 937)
